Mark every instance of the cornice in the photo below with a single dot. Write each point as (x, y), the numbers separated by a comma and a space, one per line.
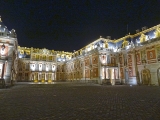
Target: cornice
(144, 31)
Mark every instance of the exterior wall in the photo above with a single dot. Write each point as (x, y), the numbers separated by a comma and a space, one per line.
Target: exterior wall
(36, 70)
(7, 57)
(125, 60)
(104, 60)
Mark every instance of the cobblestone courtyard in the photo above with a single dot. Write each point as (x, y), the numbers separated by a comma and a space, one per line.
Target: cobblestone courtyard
(79, 101)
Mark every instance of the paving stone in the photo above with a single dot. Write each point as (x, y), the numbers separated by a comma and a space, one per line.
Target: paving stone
(79, 101)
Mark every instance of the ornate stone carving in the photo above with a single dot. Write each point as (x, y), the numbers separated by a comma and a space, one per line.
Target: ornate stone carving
(125, 43)
(157, 32)
(142, 38)
(106, 44)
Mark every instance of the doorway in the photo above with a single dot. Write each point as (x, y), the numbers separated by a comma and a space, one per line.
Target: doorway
(126, 76)
(146, 76)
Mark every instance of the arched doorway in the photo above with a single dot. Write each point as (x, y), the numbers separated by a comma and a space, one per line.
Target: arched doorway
(43, 77)
(146, 76)
(35, 77)
(126, 76)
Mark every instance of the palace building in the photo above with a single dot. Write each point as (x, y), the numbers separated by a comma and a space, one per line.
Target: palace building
(8, 53)
(132, 59)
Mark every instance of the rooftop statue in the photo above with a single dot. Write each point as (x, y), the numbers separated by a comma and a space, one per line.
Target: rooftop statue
(92, 46)
(81, 52)
(157, 32)
(142, 38)
(132, 44)
(106, 44)
(125, 43)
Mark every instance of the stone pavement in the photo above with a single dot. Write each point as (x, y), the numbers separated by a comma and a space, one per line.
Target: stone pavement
(79, 101)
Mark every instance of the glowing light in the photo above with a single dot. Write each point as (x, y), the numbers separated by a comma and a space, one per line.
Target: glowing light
(147, 37)
(40, 67)
(59, 59)
(47, 68)
(53, 68)
(103, 45)
(138, 41)
(127, 47)
(32, 66)
(115, 50)
(89, 48)
(2, 52)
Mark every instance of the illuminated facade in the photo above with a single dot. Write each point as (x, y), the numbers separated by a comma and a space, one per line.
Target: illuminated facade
(39, 65)
(132, 59)
(8, 54)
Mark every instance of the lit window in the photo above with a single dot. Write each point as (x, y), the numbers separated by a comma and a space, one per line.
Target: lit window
(33, 67)
(40, 67)
(46, 67)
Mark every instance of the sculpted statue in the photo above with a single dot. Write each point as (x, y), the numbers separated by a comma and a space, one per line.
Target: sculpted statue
(81, 52)
(125, 43)
(106, 44)
(62, 56)
(157, 32)
(92, 46)
(142, 38)
(132, 44)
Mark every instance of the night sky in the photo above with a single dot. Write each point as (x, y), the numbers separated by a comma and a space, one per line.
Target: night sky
(71, 24)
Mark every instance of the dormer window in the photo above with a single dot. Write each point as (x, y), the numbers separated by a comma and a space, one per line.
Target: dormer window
(47, 68)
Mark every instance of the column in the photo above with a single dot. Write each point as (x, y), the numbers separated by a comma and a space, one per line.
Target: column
(45, 76)
(100, 71)
(136, 68)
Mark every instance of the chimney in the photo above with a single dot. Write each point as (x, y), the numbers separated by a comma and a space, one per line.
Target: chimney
(108, 37)
(144, 28)
(137, 31)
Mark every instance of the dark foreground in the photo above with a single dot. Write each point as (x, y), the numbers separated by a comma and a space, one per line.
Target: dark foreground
(79, 101)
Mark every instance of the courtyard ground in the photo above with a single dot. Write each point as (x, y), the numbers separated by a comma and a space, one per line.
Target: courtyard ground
(79, 101)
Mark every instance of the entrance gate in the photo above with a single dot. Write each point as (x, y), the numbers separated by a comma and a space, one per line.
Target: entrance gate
(43, 77)
(110, 75)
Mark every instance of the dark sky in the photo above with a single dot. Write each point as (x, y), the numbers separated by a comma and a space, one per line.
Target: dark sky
(71, 24)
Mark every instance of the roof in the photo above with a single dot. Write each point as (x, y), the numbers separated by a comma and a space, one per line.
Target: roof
(3, 28)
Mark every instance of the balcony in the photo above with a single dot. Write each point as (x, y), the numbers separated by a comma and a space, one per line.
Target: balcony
(109, 65)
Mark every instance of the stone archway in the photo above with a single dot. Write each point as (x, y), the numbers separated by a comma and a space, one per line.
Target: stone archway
(146, 76)
(158, 75)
